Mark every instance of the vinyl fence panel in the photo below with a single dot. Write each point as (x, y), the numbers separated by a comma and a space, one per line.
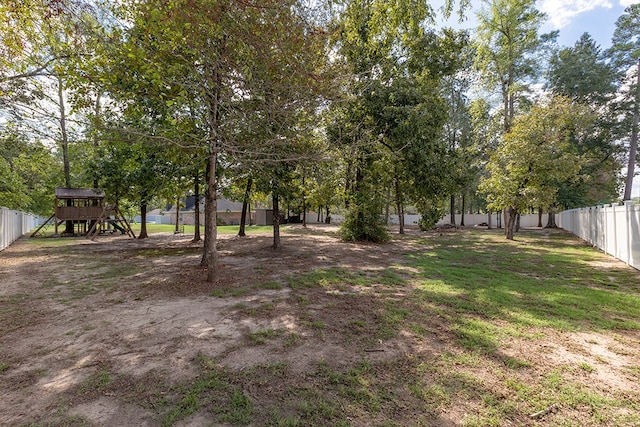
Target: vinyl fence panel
(615, 229)
(13, 224)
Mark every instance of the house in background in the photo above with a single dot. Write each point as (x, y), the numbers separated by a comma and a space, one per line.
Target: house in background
(229, 213)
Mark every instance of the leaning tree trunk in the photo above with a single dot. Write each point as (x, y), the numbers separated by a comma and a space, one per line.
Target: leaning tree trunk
(245, 204)
(633, 144)
(510, 222)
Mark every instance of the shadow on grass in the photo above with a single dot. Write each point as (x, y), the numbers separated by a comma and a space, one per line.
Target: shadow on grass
(475, 278)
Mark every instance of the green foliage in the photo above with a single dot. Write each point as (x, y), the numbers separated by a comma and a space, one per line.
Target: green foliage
(581, 73)
(624, 55)
(28, 174)
(625, 49)
(537, 156)
(390, 124)
(430, 214)
(13, 192)
(507, 45)
(363, 220)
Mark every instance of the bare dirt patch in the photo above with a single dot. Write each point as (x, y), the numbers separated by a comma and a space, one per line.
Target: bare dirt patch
(119, 332)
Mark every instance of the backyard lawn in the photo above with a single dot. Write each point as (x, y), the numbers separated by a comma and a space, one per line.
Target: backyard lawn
(442, 328)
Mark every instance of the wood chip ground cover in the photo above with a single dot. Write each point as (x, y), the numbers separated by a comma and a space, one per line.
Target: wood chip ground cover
(432, 329)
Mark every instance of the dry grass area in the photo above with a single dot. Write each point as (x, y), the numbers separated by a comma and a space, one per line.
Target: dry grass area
(432, 329)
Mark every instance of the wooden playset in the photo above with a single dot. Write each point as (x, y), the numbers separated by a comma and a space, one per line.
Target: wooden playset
(86, 209)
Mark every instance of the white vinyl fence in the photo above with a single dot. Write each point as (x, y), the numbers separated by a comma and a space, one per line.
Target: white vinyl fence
(471, 220)
(615, 229)
(14, 224)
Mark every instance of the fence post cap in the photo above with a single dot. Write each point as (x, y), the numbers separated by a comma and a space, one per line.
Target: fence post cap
(628, 202)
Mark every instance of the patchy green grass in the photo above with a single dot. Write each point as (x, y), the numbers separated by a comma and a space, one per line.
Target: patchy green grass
(214, 391)
(535, 281)
(97, 382)
(190, 229)
(261, 336)
(461, 332)
(336, 278)
(178, 251)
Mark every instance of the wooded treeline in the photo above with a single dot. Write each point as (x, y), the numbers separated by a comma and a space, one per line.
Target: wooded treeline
(338, 105)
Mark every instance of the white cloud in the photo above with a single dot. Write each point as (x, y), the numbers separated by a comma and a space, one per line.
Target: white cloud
(625, 3)
(561, 13)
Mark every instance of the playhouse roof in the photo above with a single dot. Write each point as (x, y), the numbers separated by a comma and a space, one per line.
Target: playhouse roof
(79, 193)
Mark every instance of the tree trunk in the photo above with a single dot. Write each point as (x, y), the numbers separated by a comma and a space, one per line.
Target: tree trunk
(510, 222)
(399, 207)
(207, 213)
(517, 223)
(551, 221)
(63, 132)
(245, 204)
(505, 103)
(540, 217)
(327, 217)
(211, 227)
(452, 209)
(358, 190)
(96, 144)
(489, 221)
(177, 228)
(633, 144)
(347, 184)
(64, 144)
(304, 202)
(387, 206)
(304, 213)
(462, 210)
(276, 220)
(211, 201)
(196, 208)
(143, 221)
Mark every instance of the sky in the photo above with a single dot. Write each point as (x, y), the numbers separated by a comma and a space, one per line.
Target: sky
(571, 17)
